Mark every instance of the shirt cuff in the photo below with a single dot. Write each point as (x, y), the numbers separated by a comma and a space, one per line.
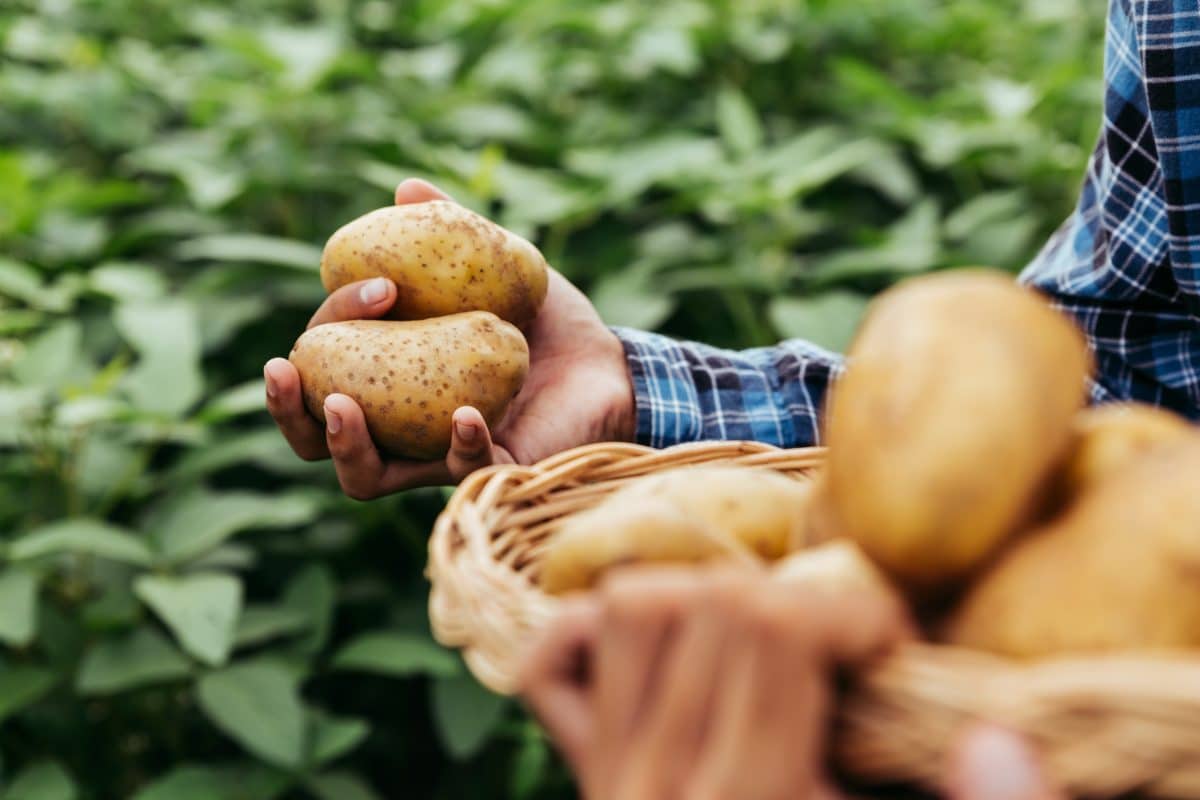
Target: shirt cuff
(665, 400)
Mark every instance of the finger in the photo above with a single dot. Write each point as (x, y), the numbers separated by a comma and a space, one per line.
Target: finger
(992, 763)
(676, 723)
(768, 726)
(881, 619)
(555, 680)
(284, 401)
(640, 608)
(470, 443)
(415, 190)
(369, 299)
(361, 471)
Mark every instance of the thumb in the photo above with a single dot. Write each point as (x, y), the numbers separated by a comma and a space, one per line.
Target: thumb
(470, 443)
(993, 763)
(415, 190)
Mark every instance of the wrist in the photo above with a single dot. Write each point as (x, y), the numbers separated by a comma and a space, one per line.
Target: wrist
(620, 424)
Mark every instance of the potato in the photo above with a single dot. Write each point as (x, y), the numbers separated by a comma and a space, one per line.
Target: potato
(683, 515)
(955, 406)
(1108, 436)
(610, 535)
(762, 509)
(444, 259)
(836, 568)
(409, 377)
(1118, 571)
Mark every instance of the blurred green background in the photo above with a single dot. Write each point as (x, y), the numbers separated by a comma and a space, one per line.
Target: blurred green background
(188, 611)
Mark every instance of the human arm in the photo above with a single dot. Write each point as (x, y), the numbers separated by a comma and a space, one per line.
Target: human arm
(586, 383)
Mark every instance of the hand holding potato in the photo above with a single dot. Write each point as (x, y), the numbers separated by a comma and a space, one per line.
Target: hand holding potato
(702, 684)
(577, 391)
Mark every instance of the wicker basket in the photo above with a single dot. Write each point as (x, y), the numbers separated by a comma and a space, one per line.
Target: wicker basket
(1105, 726)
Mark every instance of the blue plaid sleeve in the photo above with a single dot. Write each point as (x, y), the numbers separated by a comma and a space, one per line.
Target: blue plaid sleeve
(688, 392)
(1126, 263)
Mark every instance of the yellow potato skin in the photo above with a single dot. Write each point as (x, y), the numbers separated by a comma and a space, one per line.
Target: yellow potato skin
(409, 377)
(1106, 437)
(760, 508)
(955, 407)
(443, 258)
(683, 515)
(614, 535)
(837, 568)
(1117, 572)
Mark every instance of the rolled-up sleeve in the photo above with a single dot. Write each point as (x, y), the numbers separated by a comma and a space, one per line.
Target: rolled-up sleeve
(687, 392)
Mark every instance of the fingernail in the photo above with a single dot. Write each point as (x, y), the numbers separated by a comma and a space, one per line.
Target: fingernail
(1000, 767)
(373, 291)
(272, 389)
(332, 421)
(466, 433)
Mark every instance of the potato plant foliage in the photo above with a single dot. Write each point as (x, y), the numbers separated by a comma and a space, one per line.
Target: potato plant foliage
(187, 610)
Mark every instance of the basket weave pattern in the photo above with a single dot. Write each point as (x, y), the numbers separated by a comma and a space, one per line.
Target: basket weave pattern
(1104, 726)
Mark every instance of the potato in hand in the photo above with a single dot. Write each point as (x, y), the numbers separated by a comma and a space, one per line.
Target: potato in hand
(443, 258)
(409, 377)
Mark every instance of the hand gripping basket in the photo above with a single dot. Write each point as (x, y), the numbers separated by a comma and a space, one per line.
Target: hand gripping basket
(1105, 726)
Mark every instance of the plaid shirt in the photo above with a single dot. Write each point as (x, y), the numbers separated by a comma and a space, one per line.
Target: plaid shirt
(1125, 265)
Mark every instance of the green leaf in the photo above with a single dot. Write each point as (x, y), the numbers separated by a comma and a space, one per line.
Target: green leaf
(115, 609)
(802, 177)
(167, 377)
(258, 706)
(313, 592)
(891, 176)
(912, 245)
(254, 249)
(260, 623)
(141, 658)
(81, 536)
(627, 299)
(307, 52)
(332, 738)
(396, 655)
(52, 359)
(737, 121)
(223, 317)
(465, 714)
(201, 610)
(18, 607)
(341, 786)
(262, 447)
(529, 764)
(982, 210)
(242, 782)
(21, 687)
(20, 282)
(244, 398)
(125, 281)
(45, 780)
(633, 169)
(828, 320)
(195, 522)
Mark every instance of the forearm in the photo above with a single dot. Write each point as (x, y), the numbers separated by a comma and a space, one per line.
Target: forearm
(685, 391)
